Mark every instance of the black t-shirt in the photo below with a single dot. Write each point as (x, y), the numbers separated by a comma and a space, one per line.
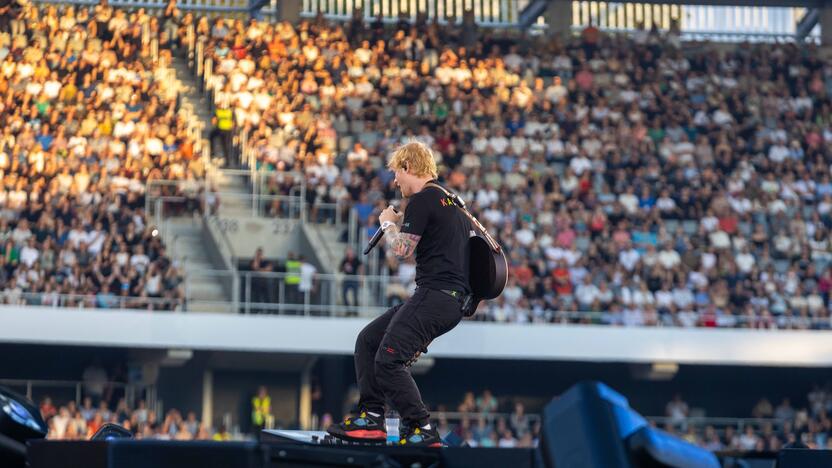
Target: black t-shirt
(350, 267)
(440, 254)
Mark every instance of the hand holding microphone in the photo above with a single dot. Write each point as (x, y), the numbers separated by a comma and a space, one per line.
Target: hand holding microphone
(388, 215)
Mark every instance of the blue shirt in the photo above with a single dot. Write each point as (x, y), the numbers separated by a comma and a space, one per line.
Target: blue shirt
(45, 141)
(644, 238)
(513, 125)
(507, 163)
(364, 210)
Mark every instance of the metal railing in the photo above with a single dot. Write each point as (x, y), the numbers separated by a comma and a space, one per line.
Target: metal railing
(487, 13)
(618, 319)
(366, 295)
(94, 301)
(699, 423)
(61, 391)
(332, 294)
(694, 22)
(205, 6)
(718, 423)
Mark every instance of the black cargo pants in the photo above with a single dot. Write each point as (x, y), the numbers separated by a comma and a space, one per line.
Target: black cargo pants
(387, 344)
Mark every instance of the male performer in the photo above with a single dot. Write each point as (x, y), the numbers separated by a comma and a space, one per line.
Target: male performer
(437, 231)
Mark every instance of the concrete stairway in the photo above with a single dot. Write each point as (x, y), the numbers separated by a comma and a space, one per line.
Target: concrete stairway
(204, 292)
(328, 249)
(237, 202)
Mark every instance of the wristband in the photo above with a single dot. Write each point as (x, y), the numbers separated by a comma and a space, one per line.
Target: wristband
(385, 225)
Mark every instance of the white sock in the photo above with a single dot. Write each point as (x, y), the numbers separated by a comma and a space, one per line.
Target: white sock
(375, 415)
(426, 426)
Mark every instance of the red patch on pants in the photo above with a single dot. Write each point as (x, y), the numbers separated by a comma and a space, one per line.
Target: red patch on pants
(390, 350)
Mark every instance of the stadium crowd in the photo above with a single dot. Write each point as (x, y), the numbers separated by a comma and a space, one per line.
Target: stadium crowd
(89, 116)
(79, 422)
(485, 420)
(771, 428)
(633, 180)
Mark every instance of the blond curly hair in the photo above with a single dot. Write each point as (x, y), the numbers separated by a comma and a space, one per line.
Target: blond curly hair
(416, 157)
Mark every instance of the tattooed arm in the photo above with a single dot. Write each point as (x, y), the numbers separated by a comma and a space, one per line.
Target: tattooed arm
(401, 244)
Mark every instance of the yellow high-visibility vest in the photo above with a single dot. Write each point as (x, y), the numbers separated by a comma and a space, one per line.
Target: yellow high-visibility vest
(260, 407)
(292, 272)
(225, 119)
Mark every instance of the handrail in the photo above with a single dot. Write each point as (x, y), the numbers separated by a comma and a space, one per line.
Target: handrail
(718, 423)
(329, 304)
(54, 299)
(130, 390)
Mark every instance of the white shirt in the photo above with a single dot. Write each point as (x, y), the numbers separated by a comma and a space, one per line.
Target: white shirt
(629, 258)
(669, 258)
(587, 293)
(307, 275)
(745, 262)
(139, 261)
(29, 255)
(683, 297)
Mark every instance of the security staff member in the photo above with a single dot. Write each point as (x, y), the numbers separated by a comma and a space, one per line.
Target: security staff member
(437, 231)
(223, 121)
(261, 408)
(292, 280)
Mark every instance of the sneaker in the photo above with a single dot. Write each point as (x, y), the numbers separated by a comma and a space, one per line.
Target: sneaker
(421, 437)
(364, 428)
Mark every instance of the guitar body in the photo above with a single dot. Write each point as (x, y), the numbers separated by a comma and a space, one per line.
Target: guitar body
(487, 272)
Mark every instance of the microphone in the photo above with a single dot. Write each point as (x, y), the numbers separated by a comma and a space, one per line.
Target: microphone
(373, 241)
(376, 237)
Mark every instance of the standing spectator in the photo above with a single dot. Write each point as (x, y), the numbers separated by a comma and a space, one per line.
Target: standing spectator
(520, 422)
(487, 403)
(469, 403)
(95, 379)
(261, 408)
(677, 411)
(351, 267)
(307, 279)
(784, 411)
(762, 409)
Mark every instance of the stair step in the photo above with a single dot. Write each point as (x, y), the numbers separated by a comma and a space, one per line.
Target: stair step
(206, 295)
(208, 307)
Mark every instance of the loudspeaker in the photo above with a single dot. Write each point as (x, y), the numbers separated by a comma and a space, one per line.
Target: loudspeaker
(20, 420)
(111, 431)
(592, 426)
(127, 453)
(804, 458)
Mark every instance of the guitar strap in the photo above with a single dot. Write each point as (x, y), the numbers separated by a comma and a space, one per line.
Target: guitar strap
(461, 204)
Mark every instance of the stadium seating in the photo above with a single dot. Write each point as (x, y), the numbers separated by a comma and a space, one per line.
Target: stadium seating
(633, 182)
(89, 116)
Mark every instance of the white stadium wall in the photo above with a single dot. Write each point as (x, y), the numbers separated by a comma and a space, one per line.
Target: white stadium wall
(307, 335)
